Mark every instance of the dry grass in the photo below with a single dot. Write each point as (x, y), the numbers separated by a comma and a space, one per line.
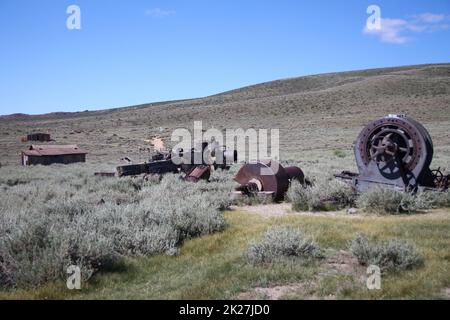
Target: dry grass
(211, 267)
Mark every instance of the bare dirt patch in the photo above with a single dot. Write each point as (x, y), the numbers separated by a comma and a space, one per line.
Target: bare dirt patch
(341, 262)
(306, 290)
(283, 209)
(269, 210)
(344, 262)
(270, 293)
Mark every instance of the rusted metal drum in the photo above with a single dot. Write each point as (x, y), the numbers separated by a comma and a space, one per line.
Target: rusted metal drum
(264, 176)
(295, 173)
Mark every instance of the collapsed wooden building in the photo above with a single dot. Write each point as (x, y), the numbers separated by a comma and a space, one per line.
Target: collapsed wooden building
(50, 154)
(41, 137)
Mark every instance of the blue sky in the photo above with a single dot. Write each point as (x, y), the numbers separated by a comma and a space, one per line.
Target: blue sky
(136, 51)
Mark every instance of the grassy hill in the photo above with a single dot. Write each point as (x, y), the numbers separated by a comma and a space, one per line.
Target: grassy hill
(315, 114)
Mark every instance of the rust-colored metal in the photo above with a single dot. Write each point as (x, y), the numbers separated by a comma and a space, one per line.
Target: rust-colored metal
(382, 138)
(198, 173)
(266, 176)
(295, 173)
(104, 174)
(180, 161)
(441, 181)
(395, 151)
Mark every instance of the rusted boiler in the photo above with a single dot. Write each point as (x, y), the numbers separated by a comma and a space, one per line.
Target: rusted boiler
(266, 178)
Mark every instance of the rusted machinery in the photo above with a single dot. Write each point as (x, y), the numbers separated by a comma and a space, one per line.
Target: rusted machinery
(267, 178)
(395, 151)
(196, 164)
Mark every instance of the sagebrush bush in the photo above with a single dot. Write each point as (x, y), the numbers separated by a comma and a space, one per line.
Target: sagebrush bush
(339, 153)
(381, 200)
(392, 255)
(299, 196)
(42, 247)
(324, 194)
(280, 243)
(63, 215)
(431, 200)
(253, 200)
(390, 201)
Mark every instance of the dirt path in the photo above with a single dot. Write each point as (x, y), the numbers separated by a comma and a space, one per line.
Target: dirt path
(283, 209)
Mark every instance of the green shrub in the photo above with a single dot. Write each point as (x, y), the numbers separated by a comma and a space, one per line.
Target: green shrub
(323, 195)
(299, 196)
(430, 200)
(382, 200)
(42, 249)
(64, 216)
(339, 153)
(390, 201)
(280, 243)
(392, 255)
(253, 200)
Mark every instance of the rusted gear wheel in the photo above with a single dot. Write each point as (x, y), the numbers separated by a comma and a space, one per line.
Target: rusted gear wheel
(395, 150)
(390, 145)
(395, 138)
(439, 179)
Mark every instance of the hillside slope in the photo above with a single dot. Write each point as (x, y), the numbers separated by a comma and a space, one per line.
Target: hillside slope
(315, 114)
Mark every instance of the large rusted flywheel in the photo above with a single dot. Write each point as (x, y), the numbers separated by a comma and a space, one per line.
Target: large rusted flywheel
(393, 138)
(395, 150)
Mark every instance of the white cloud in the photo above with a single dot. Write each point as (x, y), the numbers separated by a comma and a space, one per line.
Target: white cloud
(430, 17)
(391, 31)
(400, 31)
(159, 13)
